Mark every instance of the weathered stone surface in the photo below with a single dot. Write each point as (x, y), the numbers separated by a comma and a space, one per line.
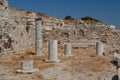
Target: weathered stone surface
(67, 49)
(19, 25)
(118, 73)
(53, 51)
(38, 43)
(27, 67)
(99, 48)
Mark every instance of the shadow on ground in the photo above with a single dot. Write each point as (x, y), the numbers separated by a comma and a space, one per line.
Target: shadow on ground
(115, 77)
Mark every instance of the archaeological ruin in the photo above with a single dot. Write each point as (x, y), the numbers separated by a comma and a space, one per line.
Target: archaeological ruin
(27, 67)
(17, 31)
(75, 49)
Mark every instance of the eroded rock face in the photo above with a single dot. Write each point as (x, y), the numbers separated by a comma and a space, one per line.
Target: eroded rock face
(17, 30)
(20, 33)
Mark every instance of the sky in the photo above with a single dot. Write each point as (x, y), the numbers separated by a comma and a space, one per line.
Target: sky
(107, 11)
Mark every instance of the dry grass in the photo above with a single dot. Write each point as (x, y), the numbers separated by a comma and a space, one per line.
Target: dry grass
(19, 56)
(82, 60)
(85, 60)
(42, 65)
(89, 74)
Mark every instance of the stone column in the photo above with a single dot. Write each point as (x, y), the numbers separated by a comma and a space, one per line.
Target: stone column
(118, 73)
(52, 50)
(99, 48)
(38, 41)
(27, 67)
(67, 49)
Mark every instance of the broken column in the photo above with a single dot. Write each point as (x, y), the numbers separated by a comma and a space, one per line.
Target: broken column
(38, 42)
(52, 51)
(27, 67)
(118, 73)
(99, 48)
(118, 61)
(67, 49)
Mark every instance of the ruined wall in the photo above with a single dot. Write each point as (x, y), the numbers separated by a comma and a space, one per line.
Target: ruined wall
(86, 34)
(17, 27)
(17, 30)
(3, 9)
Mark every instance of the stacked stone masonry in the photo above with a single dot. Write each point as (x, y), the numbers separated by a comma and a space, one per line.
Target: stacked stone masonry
(17, 30)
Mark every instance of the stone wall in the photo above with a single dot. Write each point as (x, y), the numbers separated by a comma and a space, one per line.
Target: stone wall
(89, 34)
(17, 30)
(3, 4)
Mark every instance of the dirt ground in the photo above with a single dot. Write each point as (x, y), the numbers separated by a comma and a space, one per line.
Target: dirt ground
(84, 64)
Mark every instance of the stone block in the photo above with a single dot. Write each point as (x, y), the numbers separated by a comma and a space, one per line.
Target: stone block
(27, 67)
(67, 49)
(52, 51)
(99, 48)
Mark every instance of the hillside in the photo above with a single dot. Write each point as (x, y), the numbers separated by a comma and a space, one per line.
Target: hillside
(18, 39)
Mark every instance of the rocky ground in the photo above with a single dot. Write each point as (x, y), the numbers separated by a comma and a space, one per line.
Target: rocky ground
(82, 65)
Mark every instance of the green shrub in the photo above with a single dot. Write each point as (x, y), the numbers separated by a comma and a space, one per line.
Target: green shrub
(90, 18)
(69, 18)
